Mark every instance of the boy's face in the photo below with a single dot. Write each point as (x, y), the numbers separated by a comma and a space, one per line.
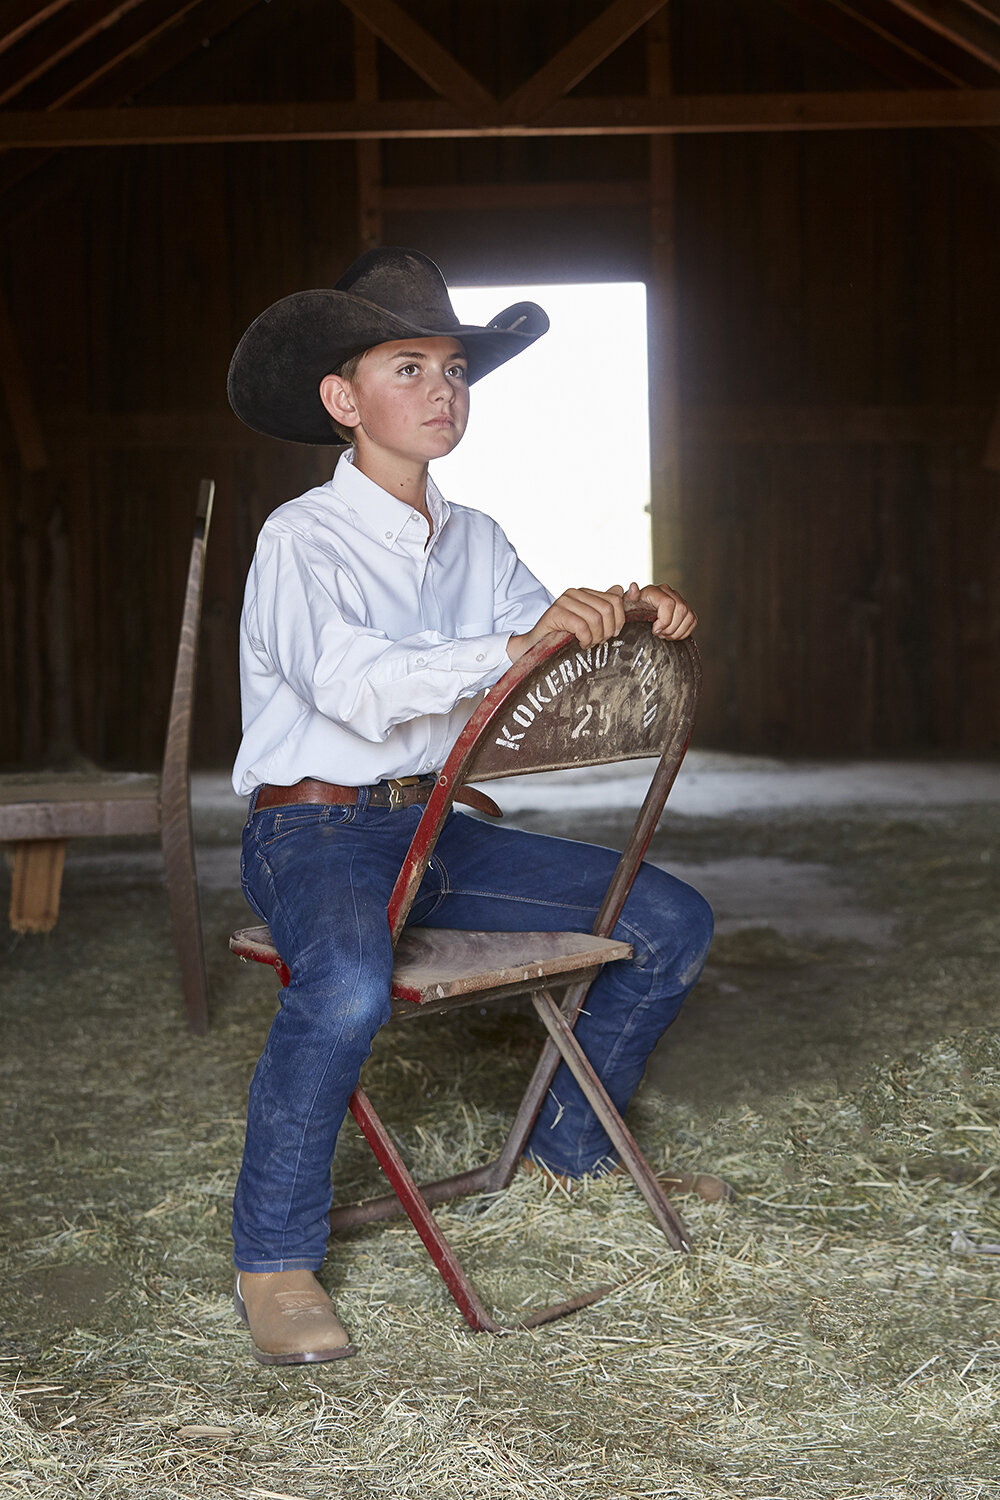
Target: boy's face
(409, 398)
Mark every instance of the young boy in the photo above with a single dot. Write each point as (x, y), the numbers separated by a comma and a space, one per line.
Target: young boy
(376, 613)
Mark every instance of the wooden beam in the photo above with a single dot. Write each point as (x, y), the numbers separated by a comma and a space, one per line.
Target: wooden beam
(50, 51)
(36, 885)
(473, 197)
(129, 78)
(368, 153)
(717, 114)
(20, 403)
(860, 33)
(683, 114)
(579, 57)
(125, 42)
(664, 374)
(189, 31)
(166, 125)
(957, 23)
(24, 17)
(421, 52)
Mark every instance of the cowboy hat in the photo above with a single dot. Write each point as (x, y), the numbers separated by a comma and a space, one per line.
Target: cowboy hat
(387, 294)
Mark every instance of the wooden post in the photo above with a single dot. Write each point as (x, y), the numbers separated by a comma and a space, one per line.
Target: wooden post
(36, 884)
(664, 403)
(369, 153)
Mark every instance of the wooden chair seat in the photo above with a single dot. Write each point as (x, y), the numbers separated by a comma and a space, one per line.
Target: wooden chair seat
(437, 968)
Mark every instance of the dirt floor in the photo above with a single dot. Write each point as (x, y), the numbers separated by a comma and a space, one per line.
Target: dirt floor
(835, 1333)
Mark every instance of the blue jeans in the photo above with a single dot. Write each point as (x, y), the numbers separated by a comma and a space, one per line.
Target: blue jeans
(321, 877)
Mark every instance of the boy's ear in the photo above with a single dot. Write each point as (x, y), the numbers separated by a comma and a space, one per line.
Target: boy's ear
(335, 394)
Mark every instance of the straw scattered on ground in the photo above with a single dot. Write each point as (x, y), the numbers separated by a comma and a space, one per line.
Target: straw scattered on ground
(835, 1332)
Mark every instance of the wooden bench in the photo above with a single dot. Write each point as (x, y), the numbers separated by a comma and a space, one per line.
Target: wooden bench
(41, 811)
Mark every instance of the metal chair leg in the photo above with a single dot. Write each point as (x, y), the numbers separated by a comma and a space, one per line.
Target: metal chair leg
(597, 1097)
(435, 1240)
(420, 1215)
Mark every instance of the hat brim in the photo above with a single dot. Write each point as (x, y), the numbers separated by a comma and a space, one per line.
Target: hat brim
(274, 375)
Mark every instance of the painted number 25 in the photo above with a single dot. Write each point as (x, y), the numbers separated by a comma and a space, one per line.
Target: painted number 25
(584, 717)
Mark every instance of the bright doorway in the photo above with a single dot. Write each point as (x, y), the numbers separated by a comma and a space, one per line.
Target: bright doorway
(557, 448)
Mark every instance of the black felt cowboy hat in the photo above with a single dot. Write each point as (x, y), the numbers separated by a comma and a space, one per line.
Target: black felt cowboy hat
(387, 294)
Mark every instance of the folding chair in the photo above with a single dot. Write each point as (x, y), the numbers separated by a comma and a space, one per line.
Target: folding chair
(559, 706)
(41, 811)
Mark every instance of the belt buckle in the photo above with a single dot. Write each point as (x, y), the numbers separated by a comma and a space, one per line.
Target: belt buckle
(396, 785)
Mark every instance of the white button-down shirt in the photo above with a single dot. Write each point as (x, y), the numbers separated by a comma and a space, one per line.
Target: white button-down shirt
(363, 646)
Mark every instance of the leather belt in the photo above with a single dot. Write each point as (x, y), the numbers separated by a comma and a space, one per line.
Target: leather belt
(399, 792)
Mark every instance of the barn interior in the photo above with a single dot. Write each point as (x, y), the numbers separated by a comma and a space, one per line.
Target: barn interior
(807, 190)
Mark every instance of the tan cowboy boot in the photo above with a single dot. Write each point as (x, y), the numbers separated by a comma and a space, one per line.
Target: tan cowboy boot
(705, 1185)
(291, 1319)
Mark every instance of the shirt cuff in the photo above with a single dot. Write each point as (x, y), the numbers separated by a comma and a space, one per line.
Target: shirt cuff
(484, 657)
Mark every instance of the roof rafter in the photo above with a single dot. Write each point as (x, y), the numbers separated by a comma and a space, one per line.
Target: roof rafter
(858, 31)
(130, 72)
(580, 56)
(46, 55)
(988, 8)
(136, 39)
(959, 24)
(425, 55)
(22, 20)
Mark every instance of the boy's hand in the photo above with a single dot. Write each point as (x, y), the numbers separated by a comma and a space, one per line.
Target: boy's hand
(592, 615)
(595, 615)
(675, 618)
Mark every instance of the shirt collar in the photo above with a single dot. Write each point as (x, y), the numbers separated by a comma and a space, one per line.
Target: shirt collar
(379, 514)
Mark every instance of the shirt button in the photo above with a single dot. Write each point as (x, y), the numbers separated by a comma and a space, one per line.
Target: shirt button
(421, 661)
(388, 536)
(481, 656)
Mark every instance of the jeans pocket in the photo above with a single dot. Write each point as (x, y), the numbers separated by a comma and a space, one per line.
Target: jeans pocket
(281, 822)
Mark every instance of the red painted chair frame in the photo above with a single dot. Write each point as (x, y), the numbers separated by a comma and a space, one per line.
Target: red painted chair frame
(652, 694)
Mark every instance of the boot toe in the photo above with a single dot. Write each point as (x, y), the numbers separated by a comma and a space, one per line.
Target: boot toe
(291, 1319)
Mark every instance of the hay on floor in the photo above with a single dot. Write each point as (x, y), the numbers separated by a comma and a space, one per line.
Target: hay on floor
(835, 1334)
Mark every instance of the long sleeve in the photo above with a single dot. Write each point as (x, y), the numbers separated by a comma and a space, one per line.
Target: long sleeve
(310, 628)
(366, 640)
